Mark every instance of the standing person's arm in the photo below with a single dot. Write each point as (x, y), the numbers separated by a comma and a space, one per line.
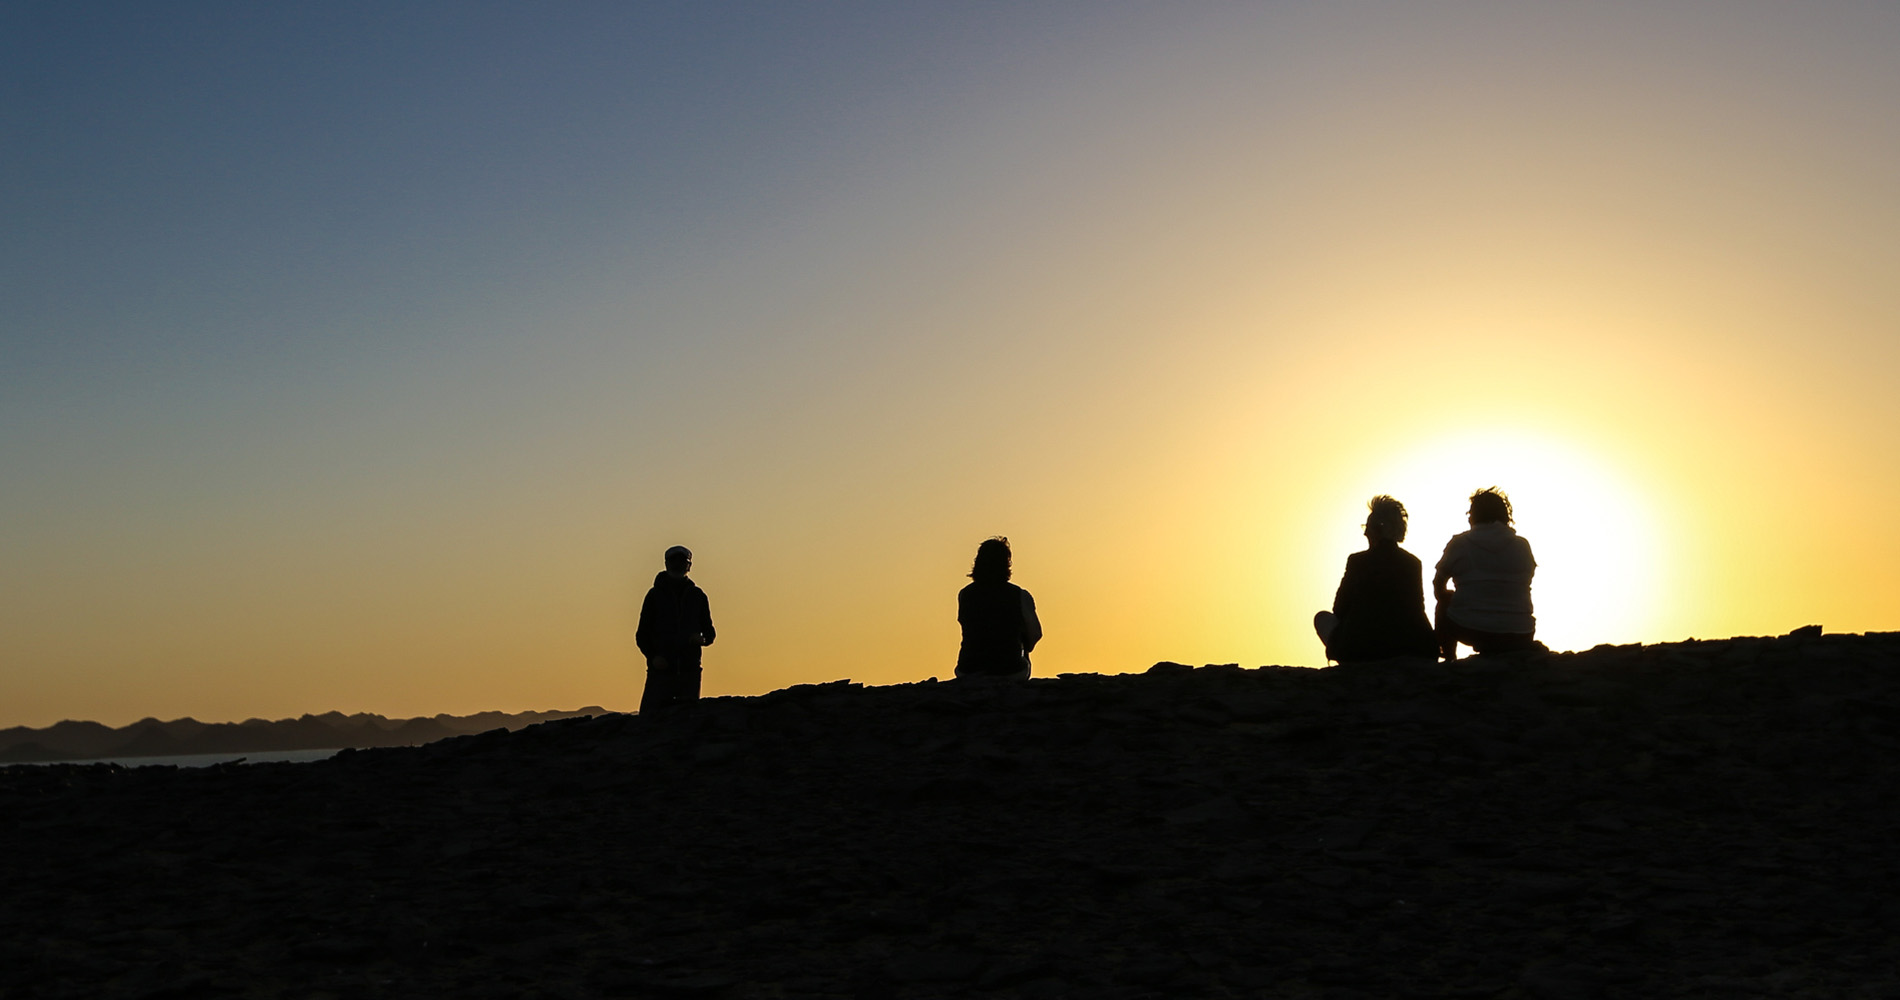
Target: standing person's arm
(705, 619)
(647, 635)
(1032, 625)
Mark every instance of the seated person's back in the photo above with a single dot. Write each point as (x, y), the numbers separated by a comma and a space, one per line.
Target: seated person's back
(1379, 609)
(999, 620)
(1487, 604)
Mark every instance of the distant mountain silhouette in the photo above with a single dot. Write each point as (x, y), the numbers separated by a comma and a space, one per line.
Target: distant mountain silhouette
(151, 737)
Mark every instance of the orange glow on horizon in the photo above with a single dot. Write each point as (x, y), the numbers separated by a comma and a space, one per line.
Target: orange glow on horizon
(1165, 307)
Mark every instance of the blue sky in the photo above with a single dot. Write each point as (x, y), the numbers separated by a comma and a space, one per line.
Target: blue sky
(270, 171)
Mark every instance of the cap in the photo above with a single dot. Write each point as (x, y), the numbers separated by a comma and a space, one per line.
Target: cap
(679, 552)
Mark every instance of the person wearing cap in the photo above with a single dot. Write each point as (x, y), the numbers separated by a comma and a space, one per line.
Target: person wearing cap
(675, 625)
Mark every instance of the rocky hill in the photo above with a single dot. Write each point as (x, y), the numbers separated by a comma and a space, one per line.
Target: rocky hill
(1697, 819)
(151, 738)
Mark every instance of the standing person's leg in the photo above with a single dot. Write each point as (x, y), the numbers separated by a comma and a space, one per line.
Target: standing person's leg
(659, 688)
(686, 683)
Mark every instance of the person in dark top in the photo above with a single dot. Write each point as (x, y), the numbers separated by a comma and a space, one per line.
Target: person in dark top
(1379, 610)
(675, 624)
(999, 620)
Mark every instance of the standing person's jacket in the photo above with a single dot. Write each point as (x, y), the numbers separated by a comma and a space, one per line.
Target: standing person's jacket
(1381, 607)
(674, 613)
(1490, 567)
(999, 628)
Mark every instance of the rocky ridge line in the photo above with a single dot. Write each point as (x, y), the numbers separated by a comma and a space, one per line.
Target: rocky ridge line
(1694, 819)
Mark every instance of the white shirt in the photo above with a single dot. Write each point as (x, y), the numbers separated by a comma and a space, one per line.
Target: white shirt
(1490, 567)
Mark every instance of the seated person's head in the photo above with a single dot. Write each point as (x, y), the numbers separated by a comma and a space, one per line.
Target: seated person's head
(1490, 506)
(1386, 520)
(992, 561)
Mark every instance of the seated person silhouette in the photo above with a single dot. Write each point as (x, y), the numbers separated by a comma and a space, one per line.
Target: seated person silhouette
(999, 620)
(1379, 610)
(1488, 605)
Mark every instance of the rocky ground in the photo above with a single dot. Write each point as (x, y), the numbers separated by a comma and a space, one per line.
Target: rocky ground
(1700, 819)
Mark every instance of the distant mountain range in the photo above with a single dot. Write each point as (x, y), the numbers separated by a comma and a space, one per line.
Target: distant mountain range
(71, 740)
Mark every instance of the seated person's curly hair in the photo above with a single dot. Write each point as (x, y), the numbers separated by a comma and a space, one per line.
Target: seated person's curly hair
(1490, 505)
(1388, 517)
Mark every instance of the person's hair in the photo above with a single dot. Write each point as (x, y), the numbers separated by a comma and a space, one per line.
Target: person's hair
(1490, 505)
(1387, 517)
(992, 561)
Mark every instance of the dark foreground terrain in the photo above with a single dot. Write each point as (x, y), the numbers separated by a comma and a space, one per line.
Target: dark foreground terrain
(1702, 819)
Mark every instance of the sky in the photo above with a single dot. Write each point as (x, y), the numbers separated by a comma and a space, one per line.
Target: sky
(366, 356)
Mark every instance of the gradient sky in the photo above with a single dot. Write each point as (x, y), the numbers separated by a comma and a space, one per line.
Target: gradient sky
(366, 356)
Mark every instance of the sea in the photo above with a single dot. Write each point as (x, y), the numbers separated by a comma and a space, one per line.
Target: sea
(206, 759)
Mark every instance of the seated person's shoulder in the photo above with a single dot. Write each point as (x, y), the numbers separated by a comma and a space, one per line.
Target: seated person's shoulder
(1384, 555)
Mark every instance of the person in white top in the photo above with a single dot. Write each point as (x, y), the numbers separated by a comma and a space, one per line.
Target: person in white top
(1483, 583)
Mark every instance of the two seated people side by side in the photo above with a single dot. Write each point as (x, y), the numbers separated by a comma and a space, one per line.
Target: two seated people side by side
(1482, 584)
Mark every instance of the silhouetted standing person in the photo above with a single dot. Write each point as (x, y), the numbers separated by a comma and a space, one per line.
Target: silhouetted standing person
(1488, 605)
(675, 625)
(1379, 609)
(999, 620)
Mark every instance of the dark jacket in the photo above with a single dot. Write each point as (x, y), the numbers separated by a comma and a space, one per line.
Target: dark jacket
(1381, 607)
(999, 628)
(675, 609)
